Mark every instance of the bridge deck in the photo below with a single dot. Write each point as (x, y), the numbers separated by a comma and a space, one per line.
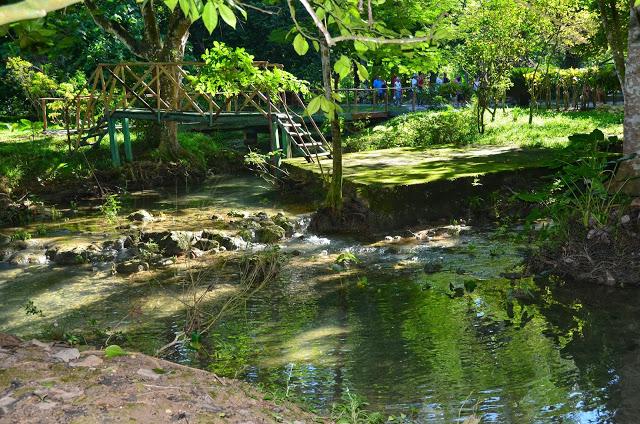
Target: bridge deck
(230, 120)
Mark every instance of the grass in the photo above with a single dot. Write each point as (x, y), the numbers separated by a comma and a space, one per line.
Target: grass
(509, 144)
(28, 163)
(549, 129)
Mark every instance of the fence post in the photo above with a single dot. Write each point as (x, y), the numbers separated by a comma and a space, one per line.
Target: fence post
(43, 104)
(128, 151)
(113, 143)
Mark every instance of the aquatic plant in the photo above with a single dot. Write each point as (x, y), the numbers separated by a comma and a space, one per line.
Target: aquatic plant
(110, 208)
(255, 269)
(21, 235)
(352, 411)
(31, 309)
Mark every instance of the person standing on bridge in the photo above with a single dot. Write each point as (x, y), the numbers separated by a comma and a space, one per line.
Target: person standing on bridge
(421, 78)
(397, 97)
(378, 85)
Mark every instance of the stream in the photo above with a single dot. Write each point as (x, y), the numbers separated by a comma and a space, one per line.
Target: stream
(463, 335)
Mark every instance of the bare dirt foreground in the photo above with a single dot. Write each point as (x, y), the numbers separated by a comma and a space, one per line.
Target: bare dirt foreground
(49, 383)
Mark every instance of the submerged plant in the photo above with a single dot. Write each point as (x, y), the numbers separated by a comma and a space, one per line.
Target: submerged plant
(352, 411)
(255, 270)
(31, 309)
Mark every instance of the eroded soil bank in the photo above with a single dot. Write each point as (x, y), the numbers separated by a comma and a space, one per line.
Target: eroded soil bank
(47, 382)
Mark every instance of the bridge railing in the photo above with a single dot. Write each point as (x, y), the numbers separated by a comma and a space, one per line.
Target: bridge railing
(157, 87)
(376, 100)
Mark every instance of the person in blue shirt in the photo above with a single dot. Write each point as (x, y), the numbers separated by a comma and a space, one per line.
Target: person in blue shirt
(379, 84)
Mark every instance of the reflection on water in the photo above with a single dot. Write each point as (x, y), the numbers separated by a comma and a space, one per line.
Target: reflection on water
(436, 347)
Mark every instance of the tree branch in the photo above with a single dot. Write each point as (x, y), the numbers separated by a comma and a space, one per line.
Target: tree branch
(116, 29)
(318, 23)
(31, 9)
(292, 12)
(276, 10)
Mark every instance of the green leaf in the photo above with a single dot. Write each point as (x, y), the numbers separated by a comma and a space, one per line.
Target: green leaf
(185, 5)
(360, 46)
(113, 351)
(314, 105)
(210, 16)
(300, 45)
(342, 66)
(171, 4)
(227, 15)
(362, 72)
(316, 45)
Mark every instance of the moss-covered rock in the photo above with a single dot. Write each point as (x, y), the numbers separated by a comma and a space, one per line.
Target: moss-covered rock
(270, 234)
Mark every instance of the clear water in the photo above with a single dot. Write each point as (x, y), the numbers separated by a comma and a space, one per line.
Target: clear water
(510, 351)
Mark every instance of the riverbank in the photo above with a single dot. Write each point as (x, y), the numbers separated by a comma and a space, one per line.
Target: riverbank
(53, 383)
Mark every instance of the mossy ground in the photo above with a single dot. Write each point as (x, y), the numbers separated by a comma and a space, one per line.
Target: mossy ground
(410, 166)
(508, 144)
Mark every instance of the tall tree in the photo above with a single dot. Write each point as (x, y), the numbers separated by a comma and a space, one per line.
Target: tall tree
(615, 29)
(631, 146)
(163, 38)
(337, 22)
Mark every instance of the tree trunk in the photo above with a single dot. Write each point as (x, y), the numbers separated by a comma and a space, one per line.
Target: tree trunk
(173, 51)
(630, 169)
(334, 194)
(611, 24)
(152, 47)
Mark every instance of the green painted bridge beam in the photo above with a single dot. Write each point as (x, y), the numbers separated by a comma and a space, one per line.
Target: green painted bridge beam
(113, 143)
(128, 151)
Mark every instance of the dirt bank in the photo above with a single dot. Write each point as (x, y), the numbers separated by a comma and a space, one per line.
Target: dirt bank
(50, 383)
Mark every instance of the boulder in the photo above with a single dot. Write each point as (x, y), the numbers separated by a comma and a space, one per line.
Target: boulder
(270, 234)
(236, 214)
(176, 243)
(131, 267)
(27, 258)
(262, 216)
(206, 244)
(229, 243)
(195, 253)
(66, 256)
(282, 221)
(431, 267)
(5, 253)
(140, 216)
(4, 240)
(154, 236)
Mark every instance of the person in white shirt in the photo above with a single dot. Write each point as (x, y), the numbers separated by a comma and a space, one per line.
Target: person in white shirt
(397, 98)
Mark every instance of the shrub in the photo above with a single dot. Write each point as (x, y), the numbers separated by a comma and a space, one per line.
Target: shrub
(417, 130)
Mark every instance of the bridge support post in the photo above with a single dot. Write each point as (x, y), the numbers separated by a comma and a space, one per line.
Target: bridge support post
(113, 143)
(128, 151)
(276, 133)
(250, 137)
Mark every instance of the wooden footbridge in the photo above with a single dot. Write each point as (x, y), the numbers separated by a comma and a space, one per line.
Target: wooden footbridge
(119, 93)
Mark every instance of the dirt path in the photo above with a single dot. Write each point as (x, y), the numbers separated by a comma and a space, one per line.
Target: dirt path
(49, 383)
